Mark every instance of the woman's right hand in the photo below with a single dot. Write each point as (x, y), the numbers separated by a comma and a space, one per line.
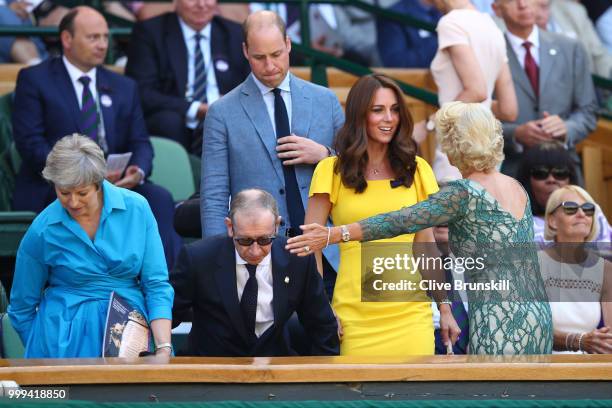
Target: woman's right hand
(598, 341)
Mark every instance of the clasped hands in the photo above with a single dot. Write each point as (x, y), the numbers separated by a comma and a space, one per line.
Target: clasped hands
(131, 179)
(535, 132)
(300, 150)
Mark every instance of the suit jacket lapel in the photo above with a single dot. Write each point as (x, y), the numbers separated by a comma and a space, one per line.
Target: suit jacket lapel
(301, 108)
(65, 87)
(518, 73)
(547, 59)
(107, 112)
(177, 52)
(280, 275)
(255, 108)
(225, 276)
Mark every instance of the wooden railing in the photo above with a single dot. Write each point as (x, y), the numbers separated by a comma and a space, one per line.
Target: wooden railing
(309, 369)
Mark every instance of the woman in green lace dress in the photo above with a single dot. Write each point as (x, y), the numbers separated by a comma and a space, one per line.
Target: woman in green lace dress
(488, 216)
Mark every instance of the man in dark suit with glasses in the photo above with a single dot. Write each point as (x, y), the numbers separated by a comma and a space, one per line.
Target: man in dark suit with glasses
(243, 287)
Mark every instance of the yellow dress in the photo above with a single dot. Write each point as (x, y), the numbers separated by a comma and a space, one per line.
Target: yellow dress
(376, 328)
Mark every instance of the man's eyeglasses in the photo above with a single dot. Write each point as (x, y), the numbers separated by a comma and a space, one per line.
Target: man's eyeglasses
(542, 172)
(261, 241)
(571, 208)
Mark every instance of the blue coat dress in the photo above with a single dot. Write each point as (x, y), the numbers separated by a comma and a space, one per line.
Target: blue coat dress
(63, 279)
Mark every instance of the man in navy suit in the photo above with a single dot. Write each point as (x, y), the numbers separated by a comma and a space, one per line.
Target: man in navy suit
(163, 59)
(74, 93)
(244, 287)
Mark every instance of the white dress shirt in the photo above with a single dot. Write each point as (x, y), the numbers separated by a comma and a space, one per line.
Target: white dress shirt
(264, 316)
(268, 97)
(212, 90)
(519, 50)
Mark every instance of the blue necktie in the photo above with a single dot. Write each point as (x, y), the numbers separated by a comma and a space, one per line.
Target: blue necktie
(199, 83)
(248, 302)
(294, 199)
(89, 111)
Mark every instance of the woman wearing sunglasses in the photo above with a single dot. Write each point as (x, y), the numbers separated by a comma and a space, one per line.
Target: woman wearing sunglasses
(578, 281)
(544, 169)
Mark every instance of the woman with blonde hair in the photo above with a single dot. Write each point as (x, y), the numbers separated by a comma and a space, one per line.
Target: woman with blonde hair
(577, 280)
(489, 217)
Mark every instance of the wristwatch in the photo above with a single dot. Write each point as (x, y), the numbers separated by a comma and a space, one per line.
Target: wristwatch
(346, 236)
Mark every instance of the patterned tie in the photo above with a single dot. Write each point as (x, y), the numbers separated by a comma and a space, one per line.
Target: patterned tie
(89, 111)
(461, 317)
(248, 302)
(294, 200)
(199, 84)
(531, 68)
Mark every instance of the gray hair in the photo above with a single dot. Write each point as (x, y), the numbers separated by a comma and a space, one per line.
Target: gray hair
(74, 161)
(252, 200)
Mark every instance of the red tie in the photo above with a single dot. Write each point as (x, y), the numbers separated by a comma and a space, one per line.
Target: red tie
(531, 68)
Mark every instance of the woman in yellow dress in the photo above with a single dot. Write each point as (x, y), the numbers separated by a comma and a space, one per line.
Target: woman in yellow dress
(376, 170)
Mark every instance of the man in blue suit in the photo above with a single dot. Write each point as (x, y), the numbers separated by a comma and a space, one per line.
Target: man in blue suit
(74, 93)
(163, 59)
(243, 286)
(268, 133)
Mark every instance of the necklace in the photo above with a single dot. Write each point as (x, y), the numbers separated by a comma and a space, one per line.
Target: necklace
(375, 170)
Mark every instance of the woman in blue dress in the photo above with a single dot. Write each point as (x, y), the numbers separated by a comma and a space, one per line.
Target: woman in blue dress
(94, 239)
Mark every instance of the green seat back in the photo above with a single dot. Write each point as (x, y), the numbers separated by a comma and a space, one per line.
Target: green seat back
(11, 343)
(172, 168)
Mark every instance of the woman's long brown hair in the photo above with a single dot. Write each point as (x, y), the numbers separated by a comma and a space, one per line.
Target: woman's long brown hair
(351, 143)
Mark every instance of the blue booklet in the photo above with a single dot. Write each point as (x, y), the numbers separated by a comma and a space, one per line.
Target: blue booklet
(126, 333)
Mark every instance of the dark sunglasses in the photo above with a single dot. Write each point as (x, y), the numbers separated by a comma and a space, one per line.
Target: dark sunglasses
(261, 241)
(542, 172)
(571, 208)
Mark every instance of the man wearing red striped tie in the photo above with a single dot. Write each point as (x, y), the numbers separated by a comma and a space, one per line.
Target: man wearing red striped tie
(553, 85)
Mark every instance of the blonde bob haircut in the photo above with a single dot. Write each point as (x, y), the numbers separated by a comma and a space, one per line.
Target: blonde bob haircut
(470, 136)
(555, 201)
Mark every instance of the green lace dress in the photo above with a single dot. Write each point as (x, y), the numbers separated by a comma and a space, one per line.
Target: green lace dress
(513, 321)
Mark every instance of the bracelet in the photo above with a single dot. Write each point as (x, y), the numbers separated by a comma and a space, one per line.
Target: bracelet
(445, 301)
(328, 236)
(164, 345)
(580, 342)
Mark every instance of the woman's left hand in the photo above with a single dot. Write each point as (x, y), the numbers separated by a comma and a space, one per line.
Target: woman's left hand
(314, 238)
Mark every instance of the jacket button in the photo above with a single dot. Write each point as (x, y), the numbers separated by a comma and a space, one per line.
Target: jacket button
(281, 191)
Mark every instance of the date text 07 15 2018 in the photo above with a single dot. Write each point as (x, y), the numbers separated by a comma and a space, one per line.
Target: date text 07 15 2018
(42, 392)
